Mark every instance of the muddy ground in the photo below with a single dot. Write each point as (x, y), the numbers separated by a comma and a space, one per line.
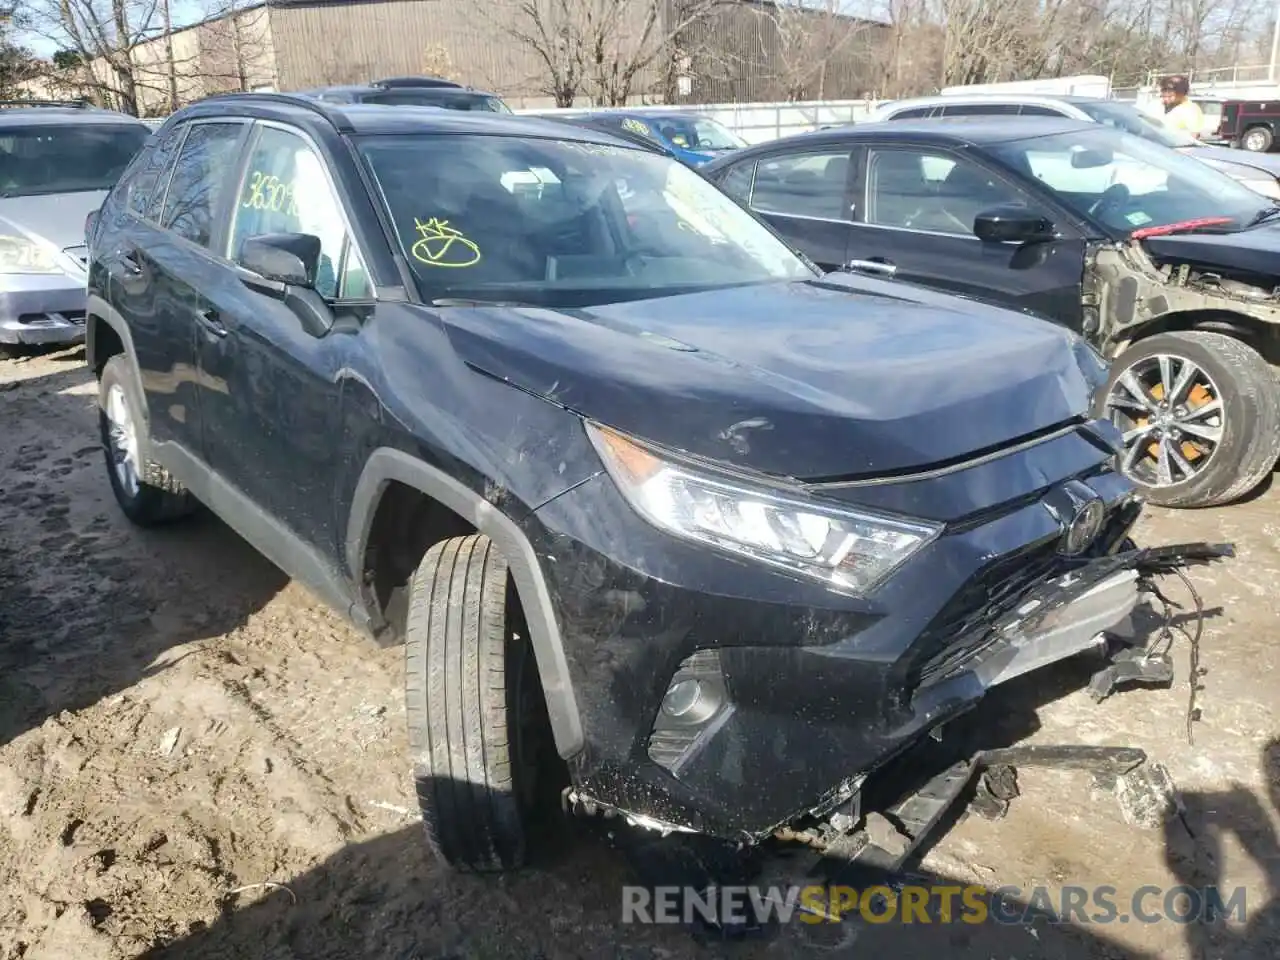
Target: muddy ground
(197, 759)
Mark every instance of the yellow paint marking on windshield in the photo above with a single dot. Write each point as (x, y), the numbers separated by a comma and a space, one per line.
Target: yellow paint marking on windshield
(442, 245)
(270, 193)
(635, 126)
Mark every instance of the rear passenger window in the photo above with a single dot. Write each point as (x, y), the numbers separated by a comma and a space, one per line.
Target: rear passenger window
(737, 182)
(915, 113)
(1034, 111)
(979, 110)
(286, 190)
(144, 183)
(195, 190)
(806, 185)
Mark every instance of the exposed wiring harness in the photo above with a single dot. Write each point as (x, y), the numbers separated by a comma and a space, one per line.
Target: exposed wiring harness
(1163, 642)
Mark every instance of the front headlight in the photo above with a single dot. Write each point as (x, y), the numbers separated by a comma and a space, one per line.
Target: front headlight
(849, 550)
(22, 255)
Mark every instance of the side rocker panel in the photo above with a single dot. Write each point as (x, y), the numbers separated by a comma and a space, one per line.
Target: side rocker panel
(386, 464)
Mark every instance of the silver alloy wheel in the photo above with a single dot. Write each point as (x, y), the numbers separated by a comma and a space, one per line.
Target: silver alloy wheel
(1255, 140)
(1172, 417)
(123, 439)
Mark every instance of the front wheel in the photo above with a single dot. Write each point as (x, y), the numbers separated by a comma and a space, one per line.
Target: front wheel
(1200, 415)
(477, 729)
(145, 491)
(1257, 139)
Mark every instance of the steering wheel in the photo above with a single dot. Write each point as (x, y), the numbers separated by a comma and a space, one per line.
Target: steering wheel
(1116, 195)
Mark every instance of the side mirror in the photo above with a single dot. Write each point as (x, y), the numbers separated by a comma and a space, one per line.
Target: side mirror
(1012, 224)
(284, 266)
(290, 258)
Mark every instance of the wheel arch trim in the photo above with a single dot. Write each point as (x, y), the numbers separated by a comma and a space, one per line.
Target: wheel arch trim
(387, 464)
(99, 309)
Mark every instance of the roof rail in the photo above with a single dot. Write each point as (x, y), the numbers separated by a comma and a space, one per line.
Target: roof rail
(335, 117)
(392, 82)
(80, 104)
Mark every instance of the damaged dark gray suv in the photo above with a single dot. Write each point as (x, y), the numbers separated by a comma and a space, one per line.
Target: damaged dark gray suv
(609, 458)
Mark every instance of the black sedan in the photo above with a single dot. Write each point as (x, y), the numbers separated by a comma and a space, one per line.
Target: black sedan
(1166, 266)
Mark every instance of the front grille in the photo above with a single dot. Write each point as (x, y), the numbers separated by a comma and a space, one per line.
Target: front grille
(964, 628)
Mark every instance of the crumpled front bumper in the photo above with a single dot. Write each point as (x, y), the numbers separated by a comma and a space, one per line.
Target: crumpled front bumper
(1052, 619)
(40, 309)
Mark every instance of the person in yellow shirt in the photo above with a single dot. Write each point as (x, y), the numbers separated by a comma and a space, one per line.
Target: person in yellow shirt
(1180, 112)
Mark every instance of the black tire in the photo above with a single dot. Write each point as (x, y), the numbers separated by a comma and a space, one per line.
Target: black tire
(10, 351)
(159, 498)
(1257, 139)
(1250, 395)
(471, 692)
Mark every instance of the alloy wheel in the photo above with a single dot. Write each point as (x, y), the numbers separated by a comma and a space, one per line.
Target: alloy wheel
(1255, 140)
(122, 436)
(1172, 417)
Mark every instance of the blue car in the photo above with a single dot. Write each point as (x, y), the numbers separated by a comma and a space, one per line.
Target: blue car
(689, 137)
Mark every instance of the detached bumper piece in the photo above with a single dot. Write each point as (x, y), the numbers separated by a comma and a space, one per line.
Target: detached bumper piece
(1072, 612)
(884, 843)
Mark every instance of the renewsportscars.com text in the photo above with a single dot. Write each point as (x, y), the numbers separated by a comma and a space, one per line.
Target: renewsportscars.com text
(932, 904)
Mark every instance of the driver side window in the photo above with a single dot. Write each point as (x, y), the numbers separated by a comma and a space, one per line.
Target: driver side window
(931, 190)
(285, 190)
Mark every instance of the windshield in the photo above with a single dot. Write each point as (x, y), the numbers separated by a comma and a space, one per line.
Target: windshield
(697, 133)
(48, 158)
(564, 223)
(439, 98)
(1134, 121)
(1129, 183)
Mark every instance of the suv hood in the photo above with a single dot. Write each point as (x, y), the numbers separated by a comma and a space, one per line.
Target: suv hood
(844, 377)
(1254, 251)
(57, 218)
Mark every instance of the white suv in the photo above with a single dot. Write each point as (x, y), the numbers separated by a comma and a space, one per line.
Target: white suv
(1259, 172)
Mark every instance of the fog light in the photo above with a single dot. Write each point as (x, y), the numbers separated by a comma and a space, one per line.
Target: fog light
(695, 705)
(682, 698)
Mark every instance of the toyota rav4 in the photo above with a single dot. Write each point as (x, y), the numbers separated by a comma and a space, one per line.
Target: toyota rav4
(609, 458)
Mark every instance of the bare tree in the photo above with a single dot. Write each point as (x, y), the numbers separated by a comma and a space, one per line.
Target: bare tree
(103, 35)
(436, 62)
(805, 40)
(607, 50)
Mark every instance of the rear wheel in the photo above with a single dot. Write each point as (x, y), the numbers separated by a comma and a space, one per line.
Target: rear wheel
(477, 728)
(1200, 414)
(1257, 139)
(145, 491)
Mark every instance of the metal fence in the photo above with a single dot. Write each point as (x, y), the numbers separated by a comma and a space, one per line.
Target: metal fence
(760, 122)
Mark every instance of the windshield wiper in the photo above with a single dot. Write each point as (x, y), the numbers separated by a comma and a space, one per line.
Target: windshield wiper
(1263, 215)
(1182, 226)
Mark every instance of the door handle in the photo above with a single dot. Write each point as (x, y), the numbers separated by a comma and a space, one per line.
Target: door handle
(131, 266)
(882, 267)
(212, 322)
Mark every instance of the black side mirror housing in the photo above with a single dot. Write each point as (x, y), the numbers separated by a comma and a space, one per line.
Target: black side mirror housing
(284, 266)
(290, 258)
(1012, 224)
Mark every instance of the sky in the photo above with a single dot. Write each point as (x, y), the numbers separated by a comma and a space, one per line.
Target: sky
(42, 45)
